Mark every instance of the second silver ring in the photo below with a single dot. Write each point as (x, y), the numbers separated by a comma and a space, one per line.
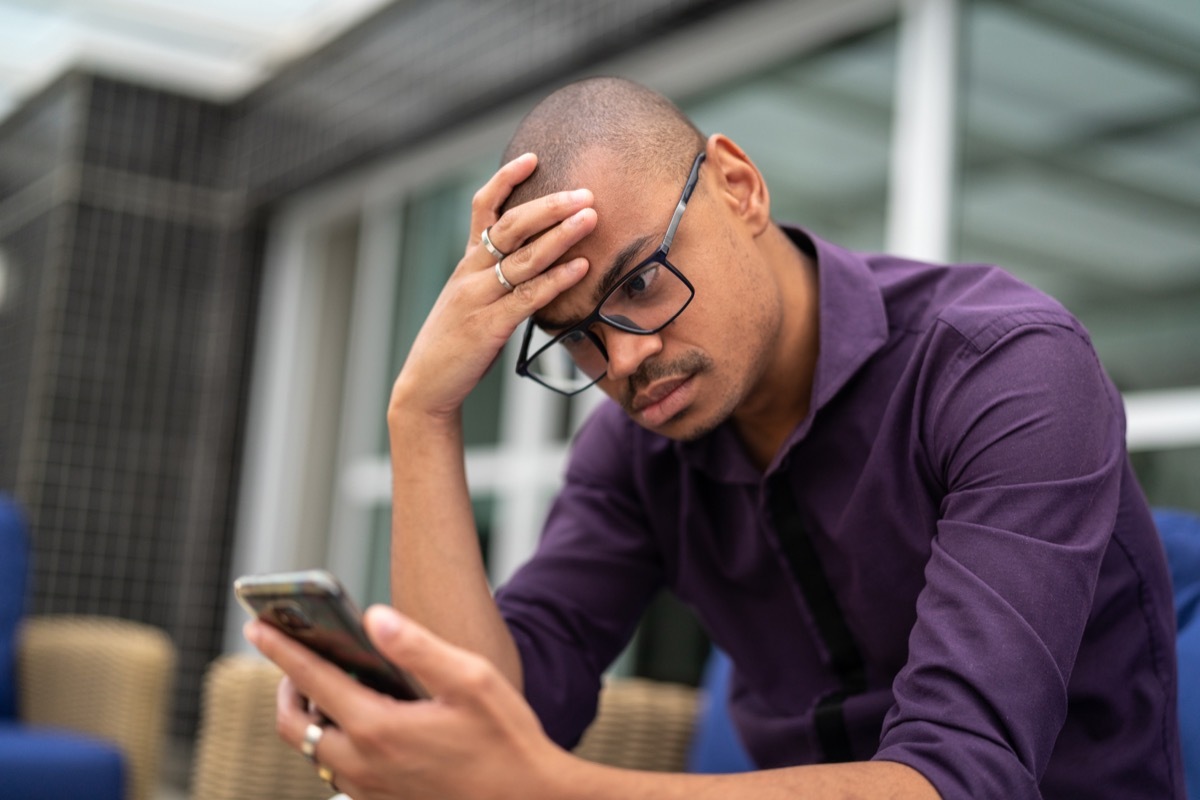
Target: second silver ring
(486, 241)
(500, 277)
(312, 737)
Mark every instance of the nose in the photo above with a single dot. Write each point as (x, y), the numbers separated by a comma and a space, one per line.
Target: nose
(627, 351)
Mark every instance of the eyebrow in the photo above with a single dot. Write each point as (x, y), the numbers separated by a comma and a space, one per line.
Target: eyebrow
(612, 276)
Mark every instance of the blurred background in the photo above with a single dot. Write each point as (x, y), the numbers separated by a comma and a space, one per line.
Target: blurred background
(222, 223)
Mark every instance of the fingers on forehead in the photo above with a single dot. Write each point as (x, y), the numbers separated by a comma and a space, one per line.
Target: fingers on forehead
(528, 221)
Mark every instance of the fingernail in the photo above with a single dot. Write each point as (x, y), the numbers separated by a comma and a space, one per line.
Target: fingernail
(385, 621)
(580, 195)
(250, 631)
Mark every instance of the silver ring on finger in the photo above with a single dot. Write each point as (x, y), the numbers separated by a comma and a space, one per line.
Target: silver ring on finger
(312, 737)
(503, 280)
(486, 241)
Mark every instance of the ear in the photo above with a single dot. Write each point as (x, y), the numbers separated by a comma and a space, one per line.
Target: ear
(741, 185)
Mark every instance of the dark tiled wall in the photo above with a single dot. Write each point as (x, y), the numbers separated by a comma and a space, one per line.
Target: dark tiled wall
(127, 358)
(35, 179)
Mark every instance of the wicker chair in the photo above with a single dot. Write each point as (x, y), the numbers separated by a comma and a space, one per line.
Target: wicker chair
(106, 677)
(640, 725)
(238, 755)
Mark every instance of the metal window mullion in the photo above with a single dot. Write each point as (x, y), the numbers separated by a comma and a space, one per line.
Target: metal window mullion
(366, 386)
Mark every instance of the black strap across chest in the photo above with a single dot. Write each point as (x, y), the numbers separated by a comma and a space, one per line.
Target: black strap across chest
(844, 654)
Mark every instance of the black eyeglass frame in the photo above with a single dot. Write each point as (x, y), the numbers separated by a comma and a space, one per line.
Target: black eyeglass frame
(659, 256)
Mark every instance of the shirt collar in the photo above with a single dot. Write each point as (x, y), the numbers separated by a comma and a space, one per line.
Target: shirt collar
(853, 319)
(853, 327)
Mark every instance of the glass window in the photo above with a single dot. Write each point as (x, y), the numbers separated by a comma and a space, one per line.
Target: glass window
(434, 234)
(1081, 174)
(819, 128)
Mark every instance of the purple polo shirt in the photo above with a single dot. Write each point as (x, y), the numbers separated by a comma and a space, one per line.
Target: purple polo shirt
(963, 478)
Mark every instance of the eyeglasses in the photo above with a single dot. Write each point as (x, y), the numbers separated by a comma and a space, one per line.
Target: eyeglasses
(646, 300)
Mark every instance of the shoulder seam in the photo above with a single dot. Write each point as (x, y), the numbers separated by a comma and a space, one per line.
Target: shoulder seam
(1003, 325)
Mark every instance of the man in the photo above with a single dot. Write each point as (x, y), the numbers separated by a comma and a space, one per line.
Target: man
(896, 493)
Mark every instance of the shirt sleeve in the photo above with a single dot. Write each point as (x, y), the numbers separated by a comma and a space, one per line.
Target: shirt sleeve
(575, 605)
(1028, 436)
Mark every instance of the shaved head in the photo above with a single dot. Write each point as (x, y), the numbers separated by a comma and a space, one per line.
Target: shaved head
(647, 133)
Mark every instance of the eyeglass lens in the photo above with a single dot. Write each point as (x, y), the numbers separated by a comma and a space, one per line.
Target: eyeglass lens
(644, 301)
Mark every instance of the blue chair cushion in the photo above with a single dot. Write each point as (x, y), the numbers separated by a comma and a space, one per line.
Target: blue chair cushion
(1180, 531)
(45, 764)
(14, 557)
(715, 747)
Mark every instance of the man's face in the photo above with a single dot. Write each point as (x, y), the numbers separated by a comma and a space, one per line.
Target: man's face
(689, 377)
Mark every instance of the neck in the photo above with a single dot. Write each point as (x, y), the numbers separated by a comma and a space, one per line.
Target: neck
(782, 397)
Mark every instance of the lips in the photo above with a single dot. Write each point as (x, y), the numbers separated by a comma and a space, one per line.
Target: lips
(656, 393)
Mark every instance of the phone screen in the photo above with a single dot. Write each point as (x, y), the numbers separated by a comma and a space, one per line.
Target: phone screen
(313, 609)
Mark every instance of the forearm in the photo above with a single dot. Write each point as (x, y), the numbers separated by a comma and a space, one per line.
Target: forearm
(437, 571)
(869, 779)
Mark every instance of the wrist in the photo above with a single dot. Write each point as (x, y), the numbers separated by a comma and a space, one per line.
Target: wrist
(565, 776)
(409, 423)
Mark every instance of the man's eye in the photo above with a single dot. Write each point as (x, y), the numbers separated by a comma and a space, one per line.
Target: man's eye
(639, 285)
(574, 340)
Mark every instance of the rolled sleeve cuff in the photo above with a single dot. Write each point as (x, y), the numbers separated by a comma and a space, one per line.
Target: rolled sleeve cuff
(960, 765)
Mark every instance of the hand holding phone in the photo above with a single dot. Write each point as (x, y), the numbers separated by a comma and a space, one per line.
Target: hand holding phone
(312, 607)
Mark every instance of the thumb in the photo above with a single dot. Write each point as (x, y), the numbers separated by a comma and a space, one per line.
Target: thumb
(444, 669)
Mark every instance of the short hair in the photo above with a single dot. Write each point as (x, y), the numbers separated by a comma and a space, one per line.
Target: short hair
(641, 127)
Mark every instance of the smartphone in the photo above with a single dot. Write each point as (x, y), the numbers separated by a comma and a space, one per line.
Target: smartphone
(312, 607)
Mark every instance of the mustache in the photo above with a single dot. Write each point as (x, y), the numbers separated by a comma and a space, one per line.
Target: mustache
(652, 370)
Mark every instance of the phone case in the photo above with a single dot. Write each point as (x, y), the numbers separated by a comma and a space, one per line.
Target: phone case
(312, 607)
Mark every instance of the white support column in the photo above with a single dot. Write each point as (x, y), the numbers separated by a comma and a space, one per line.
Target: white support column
(268, 524)
(367, 387)
(921, 189)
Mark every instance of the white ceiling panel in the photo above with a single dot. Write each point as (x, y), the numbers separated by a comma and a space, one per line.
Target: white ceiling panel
(217, 48)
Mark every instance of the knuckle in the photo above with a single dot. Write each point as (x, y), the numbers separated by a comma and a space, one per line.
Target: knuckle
(556, 202)
(353, 773)
(365, 732)
(519, 258)
(500, 231)
(525, 293)
(477, 676)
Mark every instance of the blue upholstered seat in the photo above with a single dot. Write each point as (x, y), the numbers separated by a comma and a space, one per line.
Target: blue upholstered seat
(1180, 532)
(13, 569)
(43, 764)
(715, 747)
(38, 763)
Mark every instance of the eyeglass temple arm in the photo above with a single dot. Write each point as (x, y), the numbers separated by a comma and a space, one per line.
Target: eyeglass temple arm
(683, 201)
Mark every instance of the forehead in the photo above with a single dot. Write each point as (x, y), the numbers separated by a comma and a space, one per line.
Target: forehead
(632, 211)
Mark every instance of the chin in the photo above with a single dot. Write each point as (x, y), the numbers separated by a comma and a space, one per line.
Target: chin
(688, 426)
